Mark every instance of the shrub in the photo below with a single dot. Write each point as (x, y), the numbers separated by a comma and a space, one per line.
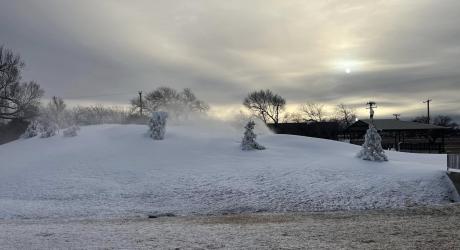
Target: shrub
(71, 131)
(249, 138)
(157, 125)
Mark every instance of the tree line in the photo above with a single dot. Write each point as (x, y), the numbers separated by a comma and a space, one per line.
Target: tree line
(20, 102)
(269, 106)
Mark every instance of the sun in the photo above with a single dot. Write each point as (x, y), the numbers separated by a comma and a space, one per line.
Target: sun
(347, 66)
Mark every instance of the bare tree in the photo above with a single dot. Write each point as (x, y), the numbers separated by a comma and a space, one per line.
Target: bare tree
(161, 98)
(190, 101)
(345, 115)
(265, 104)
(17, 99)
(136, 105)
(293, 117)
(314, 112)
(98, 114)
(421, 119)
(170, 99)
(445, 121)
(57, 106)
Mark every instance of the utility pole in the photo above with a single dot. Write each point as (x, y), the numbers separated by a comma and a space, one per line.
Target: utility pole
(428, 110)
(397, 116)
(372, 106)
(140, 103)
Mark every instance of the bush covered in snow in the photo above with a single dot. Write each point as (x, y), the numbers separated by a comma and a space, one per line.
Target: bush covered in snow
(51, 129)
(99, 114)
(372, 148)
(157, 125)
(249, 138)
(34, 129)
(71, 131)
(55, 113)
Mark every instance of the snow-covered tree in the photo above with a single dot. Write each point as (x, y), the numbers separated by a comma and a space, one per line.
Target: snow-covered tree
(372, 148)
(98, 114)
(249, 138)
(56, 112)
(71, 131)
(157, 125)
(34, 129)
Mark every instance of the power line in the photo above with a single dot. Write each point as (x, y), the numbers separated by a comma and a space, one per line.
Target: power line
(140, 102)
(428, 110)
(372, 106)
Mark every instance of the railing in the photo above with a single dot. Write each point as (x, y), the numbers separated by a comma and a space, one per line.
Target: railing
(453, 162)
(422, 147)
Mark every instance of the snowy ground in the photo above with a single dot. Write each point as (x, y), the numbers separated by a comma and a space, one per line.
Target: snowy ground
(417, 228)
(114, 171)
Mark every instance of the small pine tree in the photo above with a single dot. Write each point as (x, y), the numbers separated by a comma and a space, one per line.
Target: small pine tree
(34, 129)
(157, 125)
(249, 138)
(372, 148)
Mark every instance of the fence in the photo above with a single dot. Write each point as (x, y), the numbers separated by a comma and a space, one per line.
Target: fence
(422, 147)
(453, 162)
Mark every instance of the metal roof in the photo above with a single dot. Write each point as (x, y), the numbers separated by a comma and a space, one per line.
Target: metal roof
(393, 124)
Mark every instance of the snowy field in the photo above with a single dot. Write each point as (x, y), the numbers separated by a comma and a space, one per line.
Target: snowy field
(111, 171)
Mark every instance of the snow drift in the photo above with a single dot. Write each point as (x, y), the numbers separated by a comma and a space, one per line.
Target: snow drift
(117, 170)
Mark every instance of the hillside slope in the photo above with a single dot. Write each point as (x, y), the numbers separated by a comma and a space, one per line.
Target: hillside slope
(115, 170)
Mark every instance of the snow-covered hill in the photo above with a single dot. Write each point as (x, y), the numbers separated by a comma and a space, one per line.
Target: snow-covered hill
(115, 170)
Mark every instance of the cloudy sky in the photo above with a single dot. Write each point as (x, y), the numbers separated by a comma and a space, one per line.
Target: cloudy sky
(397, 53)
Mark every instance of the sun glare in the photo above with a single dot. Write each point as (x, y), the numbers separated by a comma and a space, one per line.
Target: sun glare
(347, 66)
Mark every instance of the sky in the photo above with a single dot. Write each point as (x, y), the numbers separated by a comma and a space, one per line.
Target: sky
(396, 53)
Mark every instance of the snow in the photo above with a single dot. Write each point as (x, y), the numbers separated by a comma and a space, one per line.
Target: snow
(111, 171)
(414, 228)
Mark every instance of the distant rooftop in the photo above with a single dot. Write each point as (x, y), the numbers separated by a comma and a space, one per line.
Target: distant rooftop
(393, 124)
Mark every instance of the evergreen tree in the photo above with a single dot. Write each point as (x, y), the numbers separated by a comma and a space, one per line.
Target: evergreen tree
(157, 125)
(249, 138)
(372, 148)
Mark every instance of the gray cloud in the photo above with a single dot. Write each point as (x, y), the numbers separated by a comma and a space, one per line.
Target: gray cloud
(399, 52)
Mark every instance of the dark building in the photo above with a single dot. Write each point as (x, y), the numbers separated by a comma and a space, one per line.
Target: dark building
(401, 135)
